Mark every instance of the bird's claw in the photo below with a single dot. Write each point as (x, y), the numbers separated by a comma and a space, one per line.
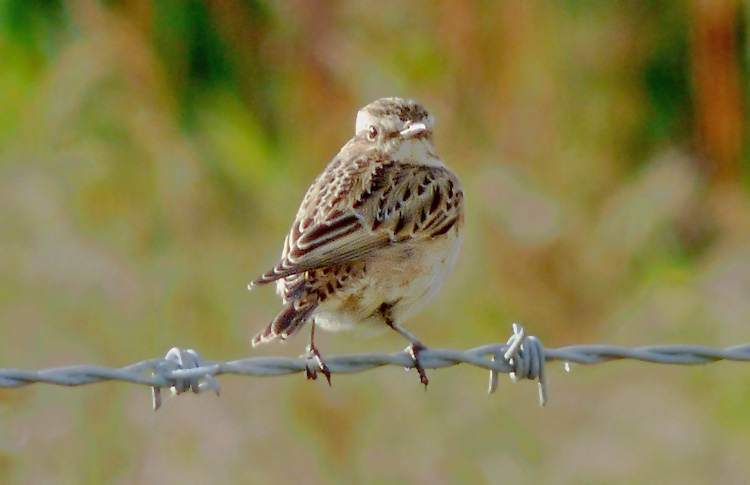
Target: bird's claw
(310, 373)
(413, 350)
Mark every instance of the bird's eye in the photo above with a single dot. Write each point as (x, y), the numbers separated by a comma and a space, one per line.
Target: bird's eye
(372, 133)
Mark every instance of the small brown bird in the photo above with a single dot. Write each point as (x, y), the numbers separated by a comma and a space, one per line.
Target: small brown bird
(376, 235)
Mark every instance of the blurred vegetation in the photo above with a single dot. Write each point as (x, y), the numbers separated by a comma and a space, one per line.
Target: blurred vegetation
(153, 154)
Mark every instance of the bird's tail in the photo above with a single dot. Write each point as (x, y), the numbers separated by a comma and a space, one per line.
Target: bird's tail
(264, 279)
(289, 320)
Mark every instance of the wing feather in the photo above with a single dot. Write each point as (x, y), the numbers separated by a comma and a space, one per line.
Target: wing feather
(353, 209)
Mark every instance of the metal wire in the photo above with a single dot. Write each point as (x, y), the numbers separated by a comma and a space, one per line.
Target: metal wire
(523, 357)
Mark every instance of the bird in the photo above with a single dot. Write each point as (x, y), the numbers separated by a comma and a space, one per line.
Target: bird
(375, 237)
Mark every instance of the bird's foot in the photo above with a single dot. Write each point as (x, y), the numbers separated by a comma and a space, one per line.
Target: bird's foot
(413, 350)
(314, 354)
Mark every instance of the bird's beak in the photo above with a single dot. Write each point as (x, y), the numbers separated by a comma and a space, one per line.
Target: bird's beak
(414, 129)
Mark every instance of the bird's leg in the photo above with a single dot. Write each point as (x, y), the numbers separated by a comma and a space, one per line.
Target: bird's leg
(314, 354)
(413, 350)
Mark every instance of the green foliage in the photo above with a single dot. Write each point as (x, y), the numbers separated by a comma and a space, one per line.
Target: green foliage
(666, 76)
(34, 26)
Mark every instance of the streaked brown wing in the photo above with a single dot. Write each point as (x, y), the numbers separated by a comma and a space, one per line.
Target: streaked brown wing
(323, 246)
(354, 209)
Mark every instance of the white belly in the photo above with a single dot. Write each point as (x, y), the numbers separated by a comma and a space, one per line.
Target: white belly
(406, 277)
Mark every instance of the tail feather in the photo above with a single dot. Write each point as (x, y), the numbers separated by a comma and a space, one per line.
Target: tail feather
(289, 320)
(264, 279)
(278, 272)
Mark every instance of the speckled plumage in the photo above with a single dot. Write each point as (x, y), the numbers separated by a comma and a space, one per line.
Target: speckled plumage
(377, 232)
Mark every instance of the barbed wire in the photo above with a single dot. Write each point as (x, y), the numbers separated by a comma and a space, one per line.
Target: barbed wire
(522, 357)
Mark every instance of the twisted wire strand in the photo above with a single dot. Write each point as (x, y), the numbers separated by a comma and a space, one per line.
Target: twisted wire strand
(522, 357)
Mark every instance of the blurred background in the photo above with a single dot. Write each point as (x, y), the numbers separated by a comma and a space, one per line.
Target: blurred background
(153, 155)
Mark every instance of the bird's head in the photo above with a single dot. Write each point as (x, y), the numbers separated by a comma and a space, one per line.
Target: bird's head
(391, 121)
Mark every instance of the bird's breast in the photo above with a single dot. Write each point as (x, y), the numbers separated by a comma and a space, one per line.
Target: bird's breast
(405, 276)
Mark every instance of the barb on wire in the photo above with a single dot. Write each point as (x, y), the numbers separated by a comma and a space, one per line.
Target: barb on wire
(522, 357)
(177, 359)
